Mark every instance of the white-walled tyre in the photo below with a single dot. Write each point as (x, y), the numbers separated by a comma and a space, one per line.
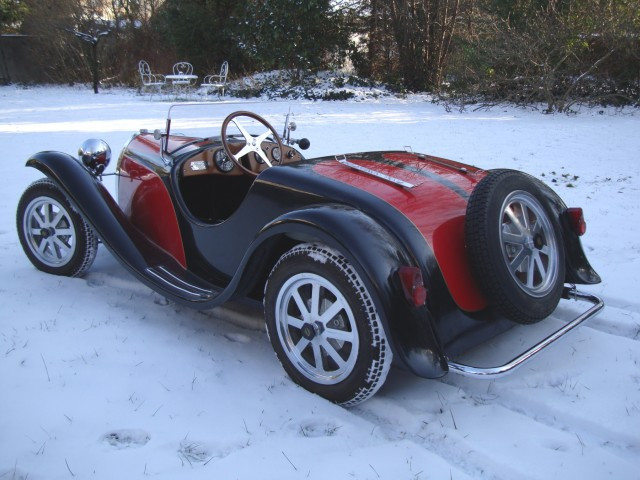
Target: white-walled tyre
(324, 327)
(55, 238)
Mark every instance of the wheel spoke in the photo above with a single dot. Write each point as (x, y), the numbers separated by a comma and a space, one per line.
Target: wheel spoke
(39, 218)
(540, 265)
(333, 353)
(537, 228)
(301, 305)
(331, 312)
(48, 213)
(514, 219)
(295, 322)
(339, 335)
(43, 246)
(531, 270)
(315, 299)
(525, 216)
(60, 248)
(58, 241)
(515, 238)
(57, 218)
(301, 345)
(64, 231)
(517, 261)
(317, 356)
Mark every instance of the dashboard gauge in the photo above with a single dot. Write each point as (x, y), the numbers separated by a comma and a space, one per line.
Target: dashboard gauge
(258, 158)
(223, 162)
(276, 154)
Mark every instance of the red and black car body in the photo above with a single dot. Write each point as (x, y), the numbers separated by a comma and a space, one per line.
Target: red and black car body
(202, 236)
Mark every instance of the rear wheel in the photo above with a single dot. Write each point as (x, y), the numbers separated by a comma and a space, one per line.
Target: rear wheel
(54, 237)
(324, 326)
(515, 246)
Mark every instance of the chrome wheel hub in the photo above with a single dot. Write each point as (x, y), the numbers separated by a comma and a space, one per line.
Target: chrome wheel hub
(49, 231)
(529, 244)
(317, 328)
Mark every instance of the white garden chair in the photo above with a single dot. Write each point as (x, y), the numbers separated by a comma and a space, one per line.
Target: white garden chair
(150, 80)
(217, 81)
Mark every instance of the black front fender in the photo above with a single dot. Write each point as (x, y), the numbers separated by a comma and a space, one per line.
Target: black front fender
(98, 208)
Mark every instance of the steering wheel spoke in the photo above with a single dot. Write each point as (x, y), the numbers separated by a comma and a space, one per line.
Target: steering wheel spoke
(253, 144)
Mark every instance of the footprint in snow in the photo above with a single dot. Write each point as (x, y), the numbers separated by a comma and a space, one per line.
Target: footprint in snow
(95, 282)
(126, 438)
(160, 300)
(193, 452)
(237, 337)
(318, 428)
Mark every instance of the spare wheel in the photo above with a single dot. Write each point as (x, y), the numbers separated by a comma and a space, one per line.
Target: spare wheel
(515, 246)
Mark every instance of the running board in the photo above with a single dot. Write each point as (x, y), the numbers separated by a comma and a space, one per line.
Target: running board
(493, 372)
(181, 286)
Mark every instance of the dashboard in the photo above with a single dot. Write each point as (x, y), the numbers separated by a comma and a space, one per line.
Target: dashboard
(215, 161)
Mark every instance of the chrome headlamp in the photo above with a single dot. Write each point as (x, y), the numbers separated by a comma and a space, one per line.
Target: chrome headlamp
(95, 154)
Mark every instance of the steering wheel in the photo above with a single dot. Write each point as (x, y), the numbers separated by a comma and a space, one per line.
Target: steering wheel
(253, 144)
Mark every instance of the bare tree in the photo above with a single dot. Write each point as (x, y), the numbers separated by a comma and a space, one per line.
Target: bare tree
(423, 32)
(561, 54)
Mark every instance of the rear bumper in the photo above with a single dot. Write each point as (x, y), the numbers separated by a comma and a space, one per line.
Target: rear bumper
(492, 372)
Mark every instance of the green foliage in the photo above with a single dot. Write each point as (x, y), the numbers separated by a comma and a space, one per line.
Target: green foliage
(204, 32)
(296, 35)
(12, 13)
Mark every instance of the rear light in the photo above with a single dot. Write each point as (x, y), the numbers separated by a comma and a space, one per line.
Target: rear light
(412, 285)
(576, 218)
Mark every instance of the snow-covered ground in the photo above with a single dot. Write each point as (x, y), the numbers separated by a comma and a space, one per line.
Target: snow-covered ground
(102, 378)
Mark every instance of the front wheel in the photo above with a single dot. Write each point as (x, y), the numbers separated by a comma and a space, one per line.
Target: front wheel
(324, 326)
(55, 238)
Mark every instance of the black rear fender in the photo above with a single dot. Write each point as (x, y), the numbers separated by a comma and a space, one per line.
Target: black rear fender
(578, 270)
(376, 255)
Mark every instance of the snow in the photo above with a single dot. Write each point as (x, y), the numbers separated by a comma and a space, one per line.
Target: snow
(102, 378)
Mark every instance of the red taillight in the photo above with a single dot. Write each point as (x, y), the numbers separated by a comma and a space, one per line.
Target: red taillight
(413, 286)
(576, 217)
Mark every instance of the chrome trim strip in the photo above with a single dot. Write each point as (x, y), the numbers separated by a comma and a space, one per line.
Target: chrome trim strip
(493, 372)
(164, 270)
(186, 291)
(360, 168)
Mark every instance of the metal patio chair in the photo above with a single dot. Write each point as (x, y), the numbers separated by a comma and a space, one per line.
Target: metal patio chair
(217, 81)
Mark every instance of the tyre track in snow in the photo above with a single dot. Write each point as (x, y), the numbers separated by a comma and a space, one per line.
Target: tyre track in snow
(537, 409)
(548, 415)
(617, 321)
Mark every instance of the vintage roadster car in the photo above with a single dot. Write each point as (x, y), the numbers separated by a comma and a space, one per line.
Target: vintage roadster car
(358, 258)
